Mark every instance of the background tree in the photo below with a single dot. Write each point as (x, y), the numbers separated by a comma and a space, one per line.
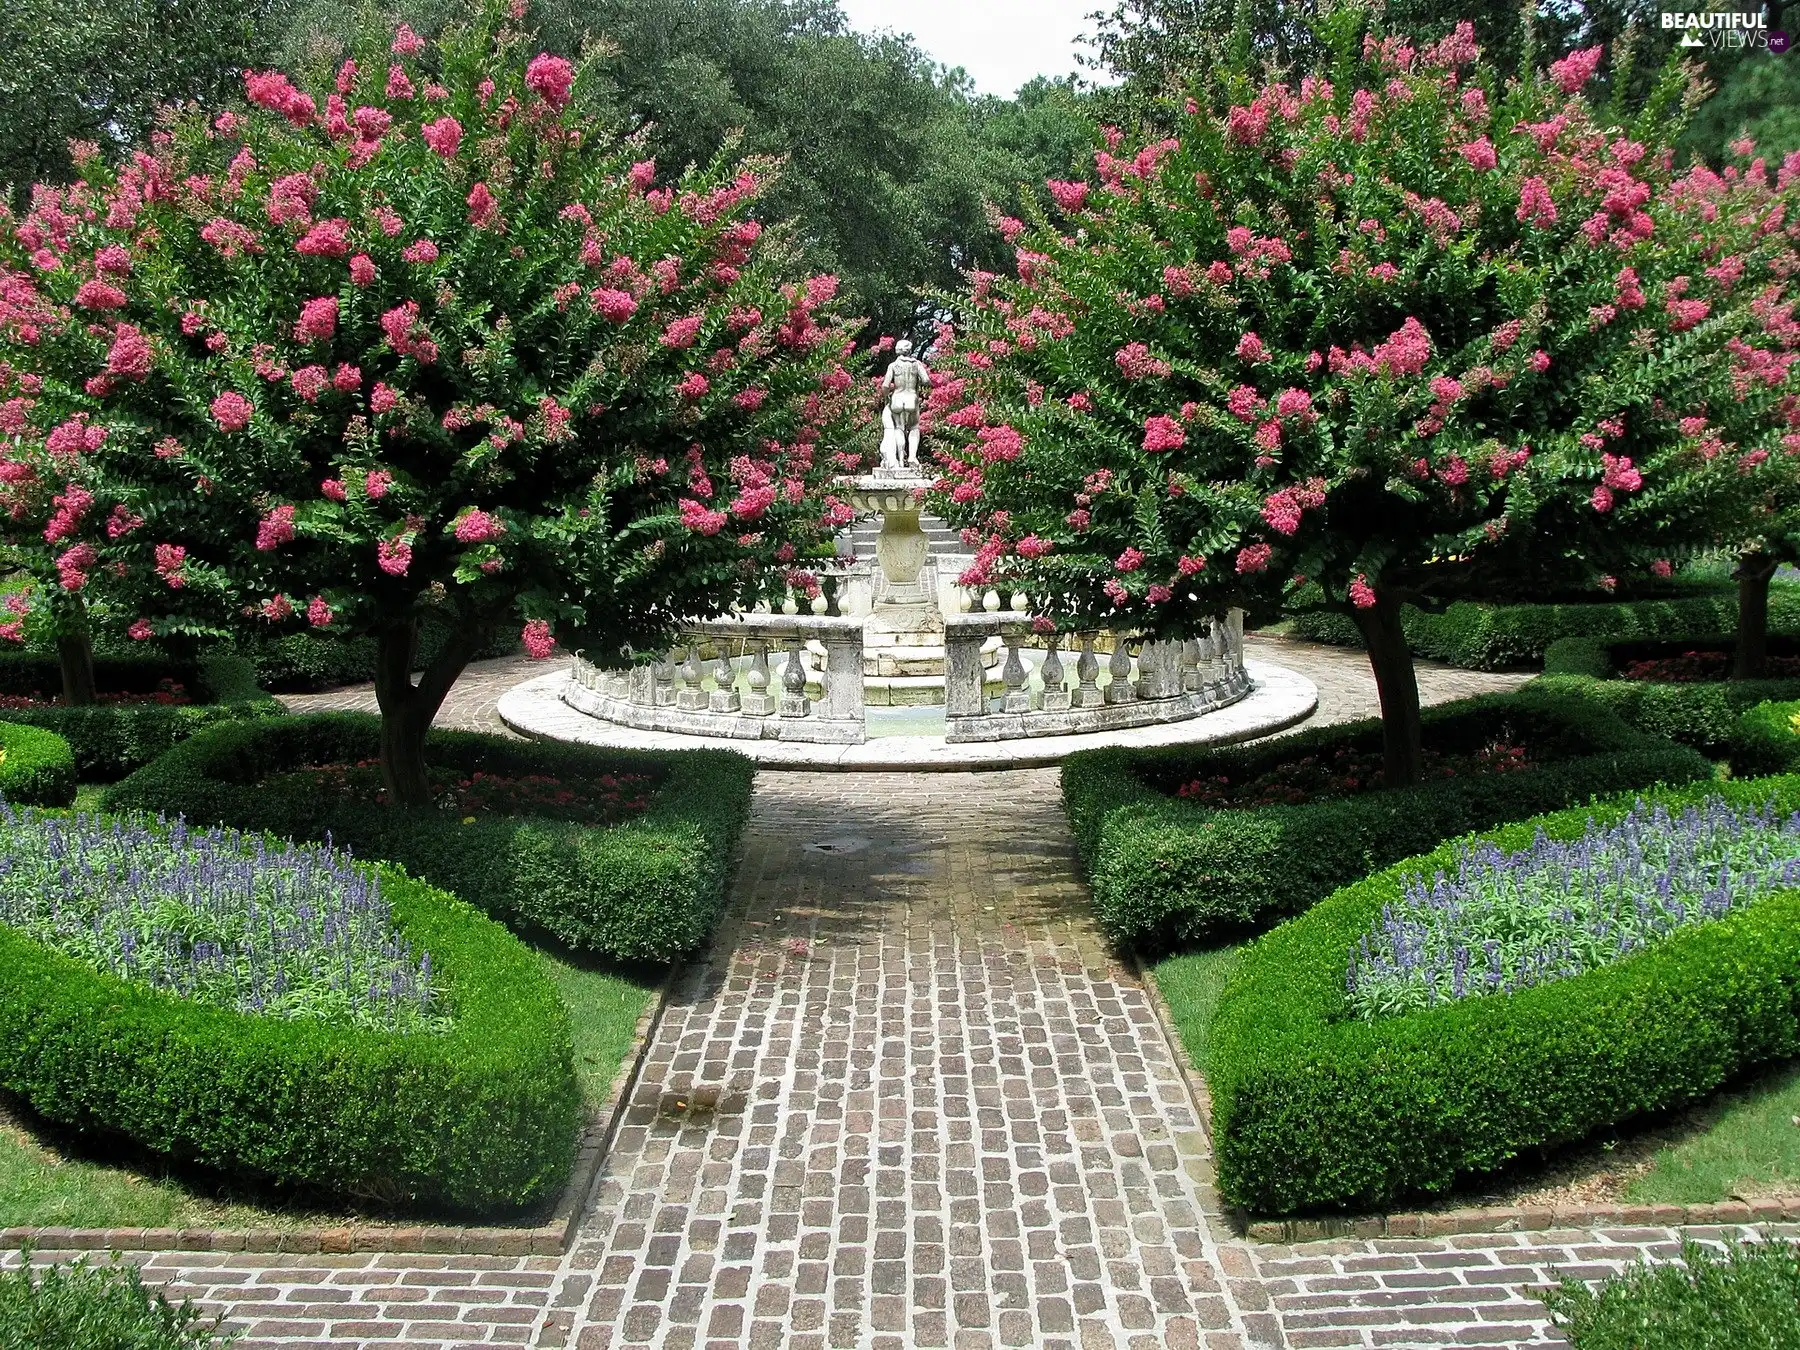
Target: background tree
(427, 341)
(97, 70)
(1406, 333)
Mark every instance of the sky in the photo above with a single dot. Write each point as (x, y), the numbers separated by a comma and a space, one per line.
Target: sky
(1001, 43)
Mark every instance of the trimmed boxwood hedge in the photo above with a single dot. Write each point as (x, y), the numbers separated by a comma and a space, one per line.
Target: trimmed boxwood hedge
(302, 663)
(1314, 1110)
(1167, 872)
(38, 768)
(1485, 636)
(1765, 739)
(1705, 714)
(481, 1118)
(647, 889)
(111, 740)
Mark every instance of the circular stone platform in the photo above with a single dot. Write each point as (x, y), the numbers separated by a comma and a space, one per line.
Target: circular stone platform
(1278, 698)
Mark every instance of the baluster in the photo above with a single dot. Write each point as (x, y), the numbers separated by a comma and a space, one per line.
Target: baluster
(1018, 693)
(1120, 690)
(1056, 697)
(1087, 673)
(964, 695)
(1147, 663)
(1190, 666)
(643, 686)
(691, 697)
(759, 702)
(794, 702)
(665, 680)
(724, 695)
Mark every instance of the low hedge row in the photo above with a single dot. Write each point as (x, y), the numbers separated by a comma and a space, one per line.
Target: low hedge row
(1705, 714)
(481, 1118)
(84, 1306)
(647, 889)
(299, 663)
(110, 740)
(1167, 872)
(1313, 1110)
(1766, 738)
(37, 768)
(1485, 636)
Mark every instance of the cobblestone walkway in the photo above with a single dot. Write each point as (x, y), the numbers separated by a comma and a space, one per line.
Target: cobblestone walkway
(911, 1100)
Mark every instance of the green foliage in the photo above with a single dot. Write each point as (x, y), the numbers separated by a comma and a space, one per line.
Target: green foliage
(648, 889)
(1746, 1299)
(82, 1306)
(1166, 872)
(302, 663)
(1479, 635)
(481, 1117)
(1313, 1110)
(1704, 715)
(38, 768)
(1766, 738)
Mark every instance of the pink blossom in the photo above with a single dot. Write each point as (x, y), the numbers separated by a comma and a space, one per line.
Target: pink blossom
(694, 386)
(1250, 349)
(1576, 69)
(478, 527)
(682, 332)
(1247, 126)
(310, 381)
(72, 503)
(1685, 314)
(1115, 591)
(130, 356)
(551, 78)
(139, 630)
(750, 399)
(1627, 293)
(699, 519)
(1535, 205)
(393, 556)
(231, 410)
(642, 175)
(614, 305)
(121, 522)
(407, 42)
(271, 90)
(1031, 547)
(276, 608)
(332, 488)
(1159, 594)
(98, 294)
(376, 484)
(1163, 433)
(1662, 568)
(169, 561)
(326, 239)
(73, 564)
(1068, 196)
(539, 644)
(1618, 473)
(1136, 363)
(318, 613)
(399, 86)
(1361, 595)
(1384, 272)
(1602, 500)
(1539, 361)
(1254, 558)
(1187, 566)
(483, 209)
(1128, 561)
(275, 529)
(384, 398)
(318, 320)
(1479, 153)
(346, 379)
(444, 135)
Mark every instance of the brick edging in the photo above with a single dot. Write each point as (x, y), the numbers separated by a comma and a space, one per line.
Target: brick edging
(552, 1237)
(1468, 1219)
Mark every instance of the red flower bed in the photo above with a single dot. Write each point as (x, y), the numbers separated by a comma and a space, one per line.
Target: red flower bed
(1698, 666)
(1342, 773)
(167, 692)
(603, 799)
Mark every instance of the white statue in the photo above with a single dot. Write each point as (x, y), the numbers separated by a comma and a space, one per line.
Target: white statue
(907, 377)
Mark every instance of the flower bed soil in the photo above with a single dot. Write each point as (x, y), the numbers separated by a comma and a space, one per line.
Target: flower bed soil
(1701, 665)
(1342, 772)
(600, 799)
(168, 694)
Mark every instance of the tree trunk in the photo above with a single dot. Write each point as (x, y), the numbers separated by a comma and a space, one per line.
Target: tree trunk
(1755, 571)
(1397, 684)
(75, 654)
(407, 709)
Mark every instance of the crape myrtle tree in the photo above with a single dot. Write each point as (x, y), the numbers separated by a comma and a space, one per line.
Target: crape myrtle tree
(1405, 331)
(424, 341)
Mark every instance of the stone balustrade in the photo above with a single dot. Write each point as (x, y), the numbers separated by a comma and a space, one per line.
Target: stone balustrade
(1174, 679)
(799, 677)
(754, 685)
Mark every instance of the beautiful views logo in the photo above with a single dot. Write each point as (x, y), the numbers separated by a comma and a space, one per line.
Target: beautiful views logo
(1724, 29)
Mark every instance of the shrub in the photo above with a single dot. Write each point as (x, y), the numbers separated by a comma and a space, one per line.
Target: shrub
(1165, 871)
(1766, 738)
(1314, 1109)
(647, 889)
(480, 1117)
(38, 768)
(1746, 1299)
(1705, 716)
(1482, 636)
(89, 1307)
(300, 663)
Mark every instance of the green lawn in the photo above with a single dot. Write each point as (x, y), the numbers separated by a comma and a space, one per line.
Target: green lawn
(1744, 1142)
(43, 1184)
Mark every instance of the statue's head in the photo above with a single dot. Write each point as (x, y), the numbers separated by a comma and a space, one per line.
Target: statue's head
(903, 347)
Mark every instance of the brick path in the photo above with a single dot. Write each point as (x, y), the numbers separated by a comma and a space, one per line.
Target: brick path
(910, 1100)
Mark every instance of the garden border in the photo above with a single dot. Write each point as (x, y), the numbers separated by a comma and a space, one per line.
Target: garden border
(552, 1237)
(1447, 1222)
